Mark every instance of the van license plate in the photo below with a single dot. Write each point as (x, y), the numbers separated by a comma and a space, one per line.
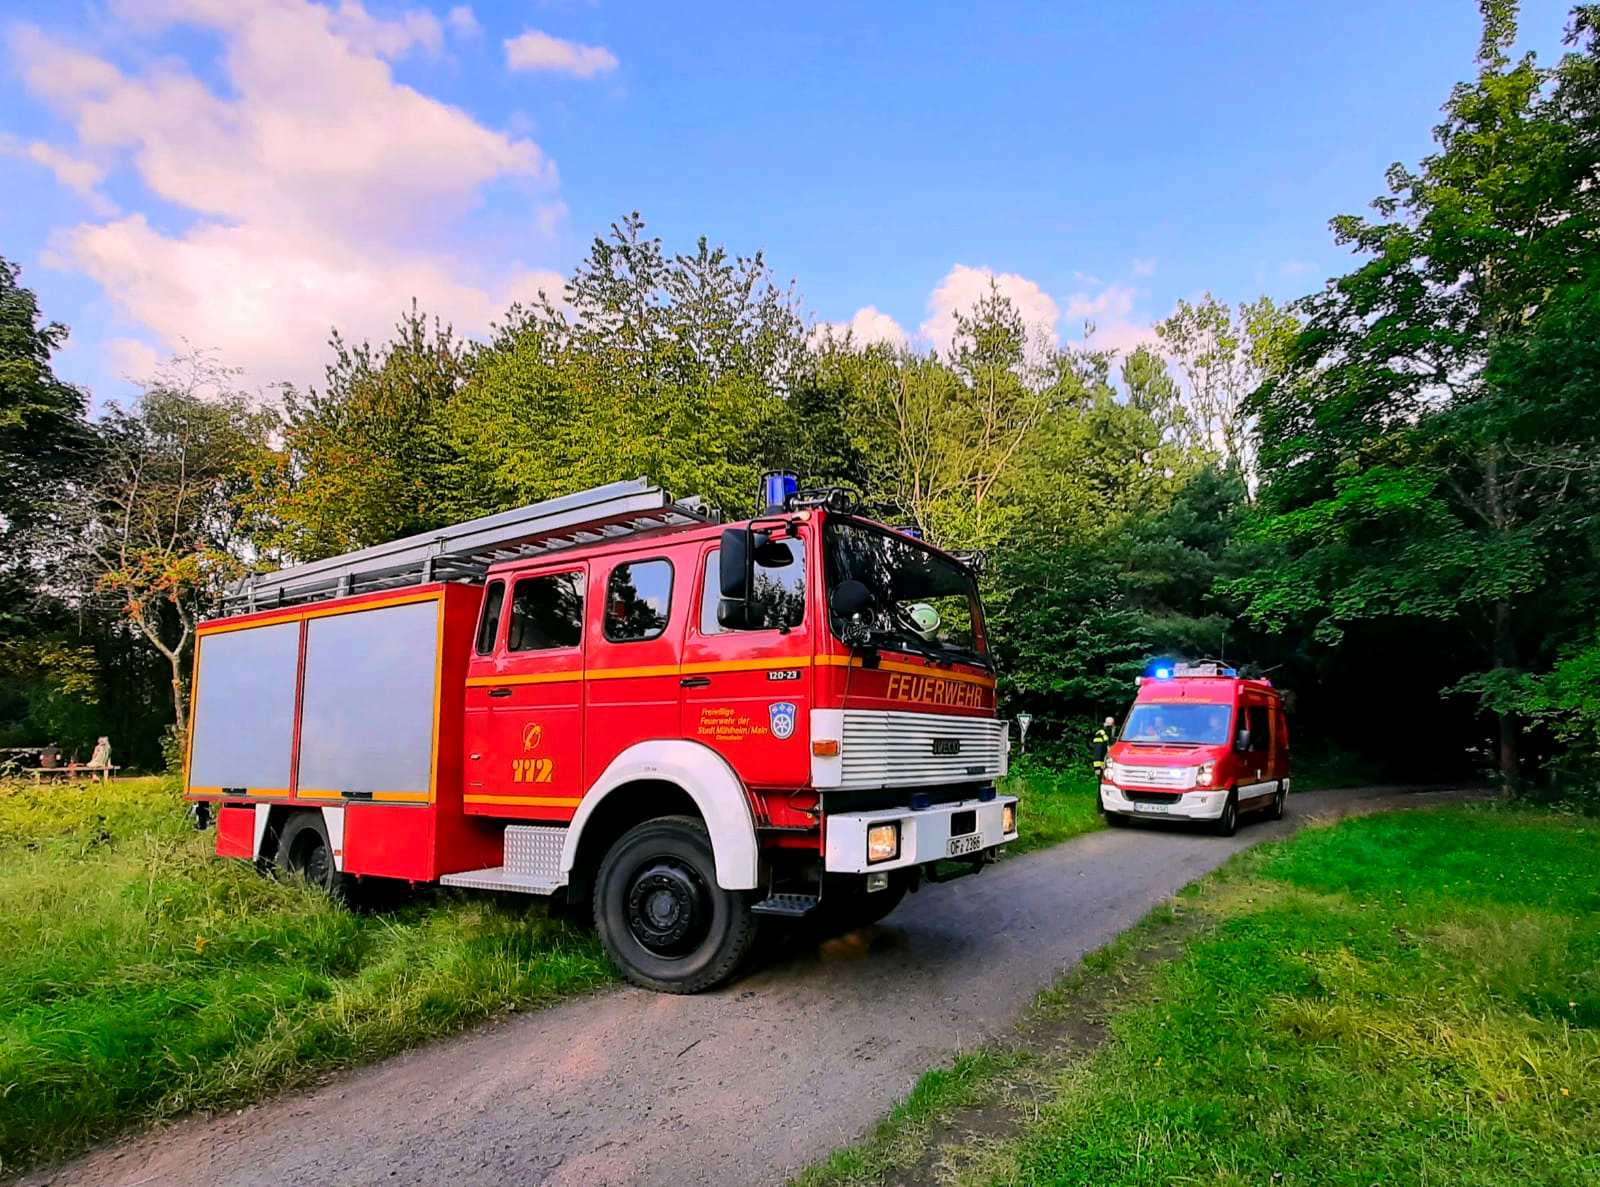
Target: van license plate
(1160, 809)
(960, 845)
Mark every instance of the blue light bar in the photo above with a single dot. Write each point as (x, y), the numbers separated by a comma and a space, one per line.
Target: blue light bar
(778, 487)
(1163, 673)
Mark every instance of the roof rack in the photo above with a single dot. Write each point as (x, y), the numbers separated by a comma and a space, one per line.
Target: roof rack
(464, 551)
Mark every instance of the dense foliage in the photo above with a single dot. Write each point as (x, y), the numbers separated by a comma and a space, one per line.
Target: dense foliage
(1384, 494)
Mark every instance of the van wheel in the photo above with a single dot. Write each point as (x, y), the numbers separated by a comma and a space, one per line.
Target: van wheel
(1116, 819)
(1276, 811)
(1228, 823)
(662, 917)
(304, 852)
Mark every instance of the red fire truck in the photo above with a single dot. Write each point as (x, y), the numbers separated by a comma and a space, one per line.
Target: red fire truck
(615, 697)
(1201, 743)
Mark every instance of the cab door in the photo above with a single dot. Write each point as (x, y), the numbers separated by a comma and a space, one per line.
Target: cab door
(632, 663)
(747, 694)
(524, 716)
(1256, 780)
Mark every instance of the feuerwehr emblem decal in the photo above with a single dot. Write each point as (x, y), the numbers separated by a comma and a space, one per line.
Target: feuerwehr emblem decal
(782, 714)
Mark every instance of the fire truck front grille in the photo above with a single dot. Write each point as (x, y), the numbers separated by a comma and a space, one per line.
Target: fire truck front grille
(1176, 778)
(918, 749)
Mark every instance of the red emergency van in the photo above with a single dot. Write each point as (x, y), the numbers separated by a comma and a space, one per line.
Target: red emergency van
(1201, 743)
(615, 697)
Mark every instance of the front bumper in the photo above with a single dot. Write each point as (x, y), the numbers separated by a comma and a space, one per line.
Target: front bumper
(926, 835)
(1204, 803)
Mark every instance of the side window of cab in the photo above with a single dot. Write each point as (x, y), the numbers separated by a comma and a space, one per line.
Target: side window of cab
(780, 590)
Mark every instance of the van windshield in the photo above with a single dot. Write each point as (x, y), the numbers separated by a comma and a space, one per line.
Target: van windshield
(1200, 725)
(922, 600)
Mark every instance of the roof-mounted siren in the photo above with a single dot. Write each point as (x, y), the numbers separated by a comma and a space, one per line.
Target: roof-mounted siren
(777, 488)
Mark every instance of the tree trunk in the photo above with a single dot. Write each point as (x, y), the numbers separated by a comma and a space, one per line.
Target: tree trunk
(180, 711)
(1505, 657)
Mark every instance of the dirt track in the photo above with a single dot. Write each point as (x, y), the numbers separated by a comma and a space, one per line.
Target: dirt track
(746, 1085)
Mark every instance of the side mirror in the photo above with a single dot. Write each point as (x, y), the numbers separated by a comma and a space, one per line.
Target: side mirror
(733, 614)
(736, 564)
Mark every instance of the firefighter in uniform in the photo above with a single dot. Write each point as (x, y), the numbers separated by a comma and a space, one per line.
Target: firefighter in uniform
(1102, 743)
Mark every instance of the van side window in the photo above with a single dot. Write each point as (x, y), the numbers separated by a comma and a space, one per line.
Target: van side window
(489, 625)
(546, 612)
(780, 591)
(1258, 721)
(638, 601)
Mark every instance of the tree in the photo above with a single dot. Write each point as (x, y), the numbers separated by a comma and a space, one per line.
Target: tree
(673, 367)
(1425, 448)
(1225, 355)
(44, 440)
(164, 522)
(368, 456)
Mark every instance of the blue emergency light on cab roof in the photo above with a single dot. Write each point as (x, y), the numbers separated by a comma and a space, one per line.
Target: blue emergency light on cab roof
(777, 488)
(1163, 673)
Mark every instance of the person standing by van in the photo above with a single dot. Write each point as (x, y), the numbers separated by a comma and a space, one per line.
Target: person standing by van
(1102, 743)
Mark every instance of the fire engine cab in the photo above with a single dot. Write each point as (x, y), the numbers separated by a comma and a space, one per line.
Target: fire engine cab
(1201, 743)
(615, 697)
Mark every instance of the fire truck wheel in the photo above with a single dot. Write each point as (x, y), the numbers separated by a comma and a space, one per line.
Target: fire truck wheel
(660, 913)
(1228, 823)
(304, 851)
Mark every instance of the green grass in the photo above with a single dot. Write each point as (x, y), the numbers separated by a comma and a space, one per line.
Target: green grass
(142, 977)
(1408, 998)
(1053, 805)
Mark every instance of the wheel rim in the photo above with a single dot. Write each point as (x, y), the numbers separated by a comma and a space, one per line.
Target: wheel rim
(669, 909)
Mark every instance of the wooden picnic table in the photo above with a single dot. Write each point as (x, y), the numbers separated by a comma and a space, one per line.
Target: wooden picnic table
(72, 771)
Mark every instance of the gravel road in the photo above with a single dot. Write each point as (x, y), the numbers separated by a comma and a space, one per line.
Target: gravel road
(742, 1086)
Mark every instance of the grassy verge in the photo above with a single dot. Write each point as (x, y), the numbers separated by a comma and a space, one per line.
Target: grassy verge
(1410, 998)
(1054, 805)
(142, 977)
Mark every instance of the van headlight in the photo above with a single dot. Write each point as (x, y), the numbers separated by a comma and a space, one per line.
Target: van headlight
(1113, 772)
(1203, 773)
(1008, 820)
(883, 842)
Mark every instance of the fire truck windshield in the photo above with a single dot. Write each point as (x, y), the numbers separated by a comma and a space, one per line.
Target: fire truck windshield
(922, 600)
(1190, 724)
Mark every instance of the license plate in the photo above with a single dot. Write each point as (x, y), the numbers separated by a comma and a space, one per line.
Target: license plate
(1160, 809)
(960, 845)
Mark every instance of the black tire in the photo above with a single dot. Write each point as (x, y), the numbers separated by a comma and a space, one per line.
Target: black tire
(1228, 823)
(853, 907)
(1275, 811)
(662, 917)
(1115, 819)
(305, 852)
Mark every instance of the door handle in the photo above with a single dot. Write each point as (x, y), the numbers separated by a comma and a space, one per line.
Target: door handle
(499, 692)
(695, 681)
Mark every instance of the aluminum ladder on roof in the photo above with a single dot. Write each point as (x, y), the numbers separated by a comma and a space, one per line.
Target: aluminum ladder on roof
(464, 551)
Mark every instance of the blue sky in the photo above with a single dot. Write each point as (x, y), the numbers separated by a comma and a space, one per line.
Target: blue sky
(242, 174)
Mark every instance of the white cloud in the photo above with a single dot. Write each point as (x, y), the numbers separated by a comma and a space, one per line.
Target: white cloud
(869, 327)
(78, 174)
(540, 51)
(321, 191)
(462, 23)
(963, 286)
(1144, 267)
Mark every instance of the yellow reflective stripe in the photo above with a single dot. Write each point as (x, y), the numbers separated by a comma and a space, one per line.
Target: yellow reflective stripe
(530, 801)
(538, 678)
(323, 612)
(404, 797)
(750, 665)
(318, 794)
(734, 665)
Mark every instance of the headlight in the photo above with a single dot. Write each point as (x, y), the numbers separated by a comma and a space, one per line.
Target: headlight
(1008, 819)
(1202, 774)
(883, 842)
(1113, 772)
